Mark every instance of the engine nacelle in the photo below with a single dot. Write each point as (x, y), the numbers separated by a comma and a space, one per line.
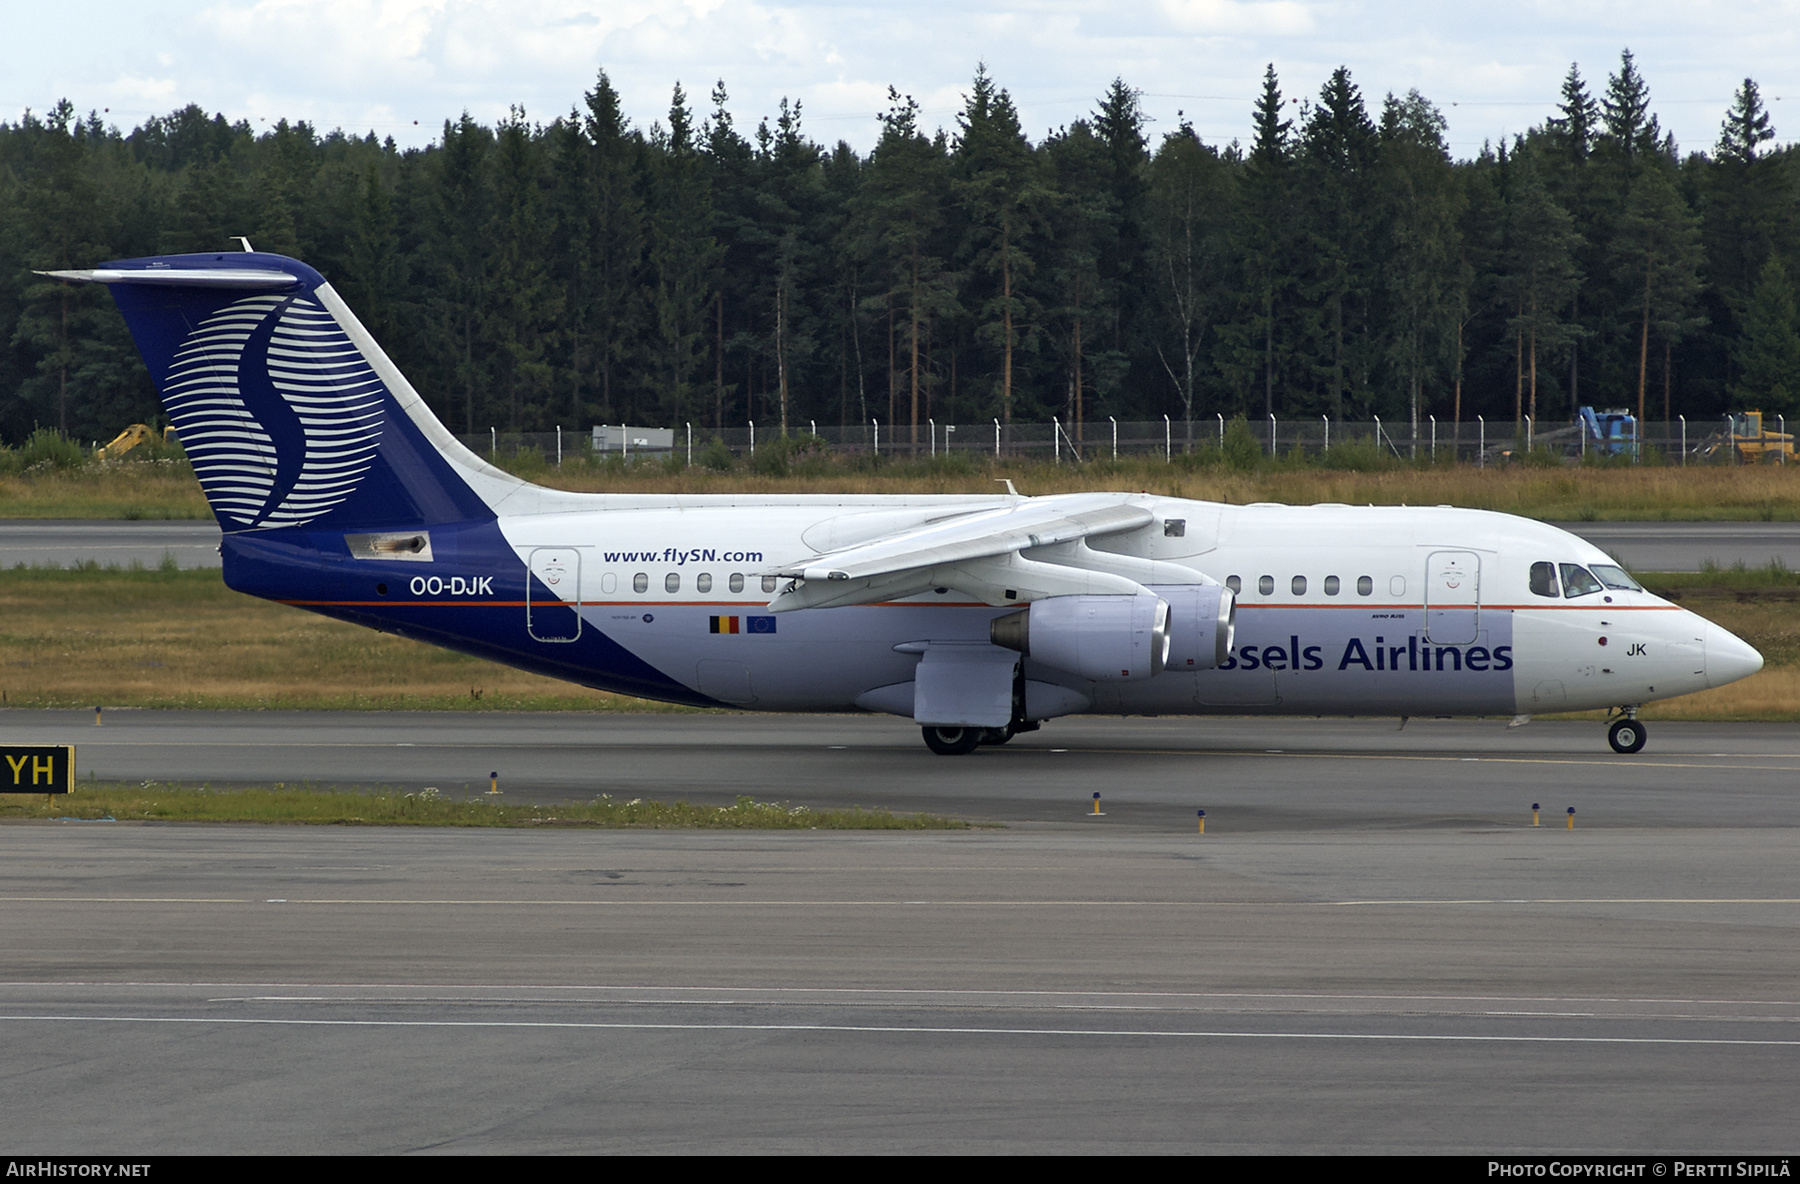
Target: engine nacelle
(1105, 638)
(1202, 625)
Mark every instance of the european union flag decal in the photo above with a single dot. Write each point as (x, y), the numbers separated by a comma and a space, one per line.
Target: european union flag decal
(759, 624)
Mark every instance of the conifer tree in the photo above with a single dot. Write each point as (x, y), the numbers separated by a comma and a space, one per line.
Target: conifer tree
(1265, 230)
(1659, 249)
(682, 255)
(901, 214)
(1339, 149)
(1188, 254)
(1003, 194)
(1746, 127)
(1768, 355)
(1541, 276)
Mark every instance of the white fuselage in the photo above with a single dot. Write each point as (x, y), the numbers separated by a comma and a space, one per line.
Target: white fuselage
(1340, 609)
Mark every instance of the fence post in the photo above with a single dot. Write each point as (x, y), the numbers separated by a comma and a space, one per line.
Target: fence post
(1377, 433)
(877, 424)
(1683, 420)
(931, 430)
(493, 443)
(1327, 420)
(753, 438)
(1221, 430)
(1433, 419)
(1271, 435)
(1168, 441)
(1481, 444)
(559, 446)
(690, 463)
(1731, 440)
(1056, 437)
(996, 439)
(1115, 424)
(1528, 435)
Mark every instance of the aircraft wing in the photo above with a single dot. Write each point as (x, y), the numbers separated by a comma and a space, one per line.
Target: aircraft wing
(974, 553)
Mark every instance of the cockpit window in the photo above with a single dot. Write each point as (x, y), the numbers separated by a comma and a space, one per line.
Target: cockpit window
(1577, 581)
(1615, 577)
(1543, 579)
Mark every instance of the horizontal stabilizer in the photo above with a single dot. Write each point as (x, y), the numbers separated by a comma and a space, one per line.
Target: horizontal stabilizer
(250, 279)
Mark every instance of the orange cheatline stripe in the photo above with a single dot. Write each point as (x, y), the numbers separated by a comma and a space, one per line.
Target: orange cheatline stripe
(1562, 608)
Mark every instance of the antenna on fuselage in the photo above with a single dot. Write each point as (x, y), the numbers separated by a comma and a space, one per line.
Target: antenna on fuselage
(248, 249)
(1007, 481)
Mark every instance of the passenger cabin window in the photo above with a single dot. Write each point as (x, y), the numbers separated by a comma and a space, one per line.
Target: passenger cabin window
(672, 582)
(1577, 581)
(1543, 580)
(703, 582)
(640, 582)
(768, 583)
(1235, 584)
(1298, 585)
(737, 581)
(1397, 586)
(1266, 585)
(1615, 577)
(1365, 586)
(1331, 585)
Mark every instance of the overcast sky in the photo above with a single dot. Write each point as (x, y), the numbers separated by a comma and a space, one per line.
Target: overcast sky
(401, 67)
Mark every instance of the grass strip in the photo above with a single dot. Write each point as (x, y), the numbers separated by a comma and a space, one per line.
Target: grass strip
(285, 804)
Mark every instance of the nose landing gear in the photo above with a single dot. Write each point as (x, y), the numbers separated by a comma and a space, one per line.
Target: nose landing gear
(1627, 734)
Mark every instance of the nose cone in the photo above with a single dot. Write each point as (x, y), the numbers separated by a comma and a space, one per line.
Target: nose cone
(1728, 658)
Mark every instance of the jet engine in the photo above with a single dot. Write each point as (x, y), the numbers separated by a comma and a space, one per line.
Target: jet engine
(1105, 638)
(1202, 624)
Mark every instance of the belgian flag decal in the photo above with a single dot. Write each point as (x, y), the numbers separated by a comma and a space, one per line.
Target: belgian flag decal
(742, 624)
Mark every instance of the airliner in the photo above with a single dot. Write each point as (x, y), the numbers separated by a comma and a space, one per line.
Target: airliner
(977, 617)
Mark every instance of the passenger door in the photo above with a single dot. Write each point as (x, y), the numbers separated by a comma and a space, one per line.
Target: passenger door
(1452, 597)
(557, 616)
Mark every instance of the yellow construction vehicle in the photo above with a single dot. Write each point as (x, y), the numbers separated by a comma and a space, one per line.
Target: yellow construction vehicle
(131, 437)
(1754, 443)
(1747, 441)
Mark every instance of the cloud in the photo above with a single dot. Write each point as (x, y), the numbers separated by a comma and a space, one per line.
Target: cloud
(1251, 17)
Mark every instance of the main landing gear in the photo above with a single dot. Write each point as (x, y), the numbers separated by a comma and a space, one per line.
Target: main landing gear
(962, 741)
(1627, 734)
(952, 741)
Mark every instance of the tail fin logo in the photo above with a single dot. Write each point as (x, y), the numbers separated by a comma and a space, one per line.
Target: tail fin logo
(278, 410)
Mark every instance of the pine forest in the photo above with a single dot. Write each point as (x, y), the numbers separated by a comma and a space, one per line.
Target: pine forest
(1338, 262)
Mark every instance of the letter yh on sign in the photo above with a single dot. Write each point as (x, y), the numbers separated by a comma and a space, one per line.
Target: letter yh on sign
(37, 768)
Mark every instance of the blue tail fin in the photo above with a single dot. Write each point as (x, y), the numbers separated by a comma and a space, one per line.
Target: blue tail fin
(290, 412)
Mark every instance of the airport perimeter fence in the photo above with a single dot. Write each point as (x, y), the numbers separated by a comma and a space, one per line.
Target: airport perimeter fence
(1477, 441)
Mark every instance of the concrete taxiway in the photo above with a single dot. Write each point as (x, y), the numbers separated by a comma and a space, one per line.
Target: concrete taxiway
(68, 542)
(1370, 949)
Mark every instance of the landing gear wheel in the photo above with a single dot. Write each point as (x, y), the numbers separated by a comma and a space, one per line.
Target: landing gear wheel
(1626, 736)
(952, 741)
